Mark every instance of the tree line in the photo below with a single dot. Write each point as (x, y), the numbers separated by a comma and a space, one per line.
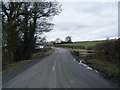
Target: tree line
(22, 24)
(60, 41)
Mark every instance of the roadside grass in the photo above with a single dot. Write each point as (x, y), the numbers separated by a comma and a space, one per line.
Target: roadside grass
(13, 66)
(42, 53)
(109, 70)
(86, 44)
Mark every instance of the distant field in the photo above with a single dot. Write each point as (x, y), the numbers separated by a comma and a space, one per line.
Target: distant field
(86, 44)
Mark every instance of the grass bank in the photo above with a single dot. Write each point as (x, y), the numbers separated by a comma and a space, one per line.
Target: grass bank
(107, 69)
(13, 66)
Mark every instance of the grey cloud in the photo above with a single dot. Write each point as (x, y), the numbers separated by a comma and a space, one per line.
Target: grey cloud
(86, 21)
(70, 26)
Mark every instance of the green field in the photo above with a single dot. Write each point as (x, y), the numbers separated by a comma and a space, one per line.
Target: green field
(86, 44)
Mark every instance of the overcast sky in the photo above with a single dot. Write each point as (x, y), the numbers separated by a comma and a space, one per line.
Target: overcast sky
(86, 21)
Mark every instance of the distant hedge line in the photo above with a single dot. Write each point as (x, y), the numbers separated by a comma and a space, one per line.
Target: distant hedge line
(108, 50)
(70, 46)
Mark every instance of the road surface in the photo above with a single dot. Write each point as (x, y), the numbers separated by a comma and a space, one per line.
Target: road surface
(58, 70)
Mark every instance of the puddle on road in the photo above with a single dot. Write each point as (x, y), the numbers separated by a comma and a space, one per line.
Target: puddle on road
(85, 65)
(89, 68)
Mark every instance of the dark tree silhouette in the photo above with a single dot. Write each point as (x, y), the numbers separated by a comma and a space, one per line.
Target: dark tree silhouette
(22, 23)
(68, 39)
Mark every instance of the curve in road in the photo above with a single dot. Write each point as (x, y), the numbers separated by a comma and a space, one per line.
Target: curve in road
(58, 70)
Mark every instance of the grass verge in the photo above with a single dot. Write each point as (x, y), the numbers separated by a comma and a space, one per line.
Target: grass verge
(13, 66)
(109, 70)
(43, 53)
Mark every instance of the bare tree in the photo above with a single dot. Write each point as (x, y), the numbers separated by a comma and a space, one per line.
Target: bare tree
(58, 40)
(68, 39)
(22, 23)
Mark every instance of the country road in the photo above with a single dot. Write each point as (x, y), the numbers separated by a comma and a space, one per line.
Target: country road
(58, 70)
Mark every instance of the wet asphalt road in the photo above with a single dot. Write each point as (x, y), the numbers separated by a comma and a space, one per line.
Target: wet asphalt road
(58, 70)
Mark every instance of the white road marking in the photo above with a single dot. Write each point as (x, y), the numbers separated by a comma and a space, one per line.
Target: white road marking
(53, 68)
(54, 64)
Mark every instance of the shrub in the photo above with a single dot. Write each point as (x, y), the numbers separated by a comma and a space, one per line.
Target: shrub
(108, 51)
